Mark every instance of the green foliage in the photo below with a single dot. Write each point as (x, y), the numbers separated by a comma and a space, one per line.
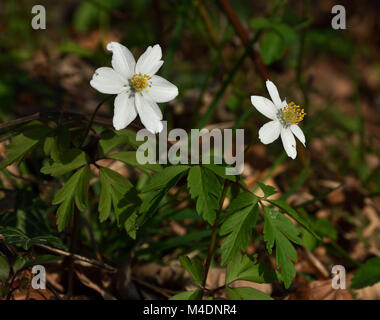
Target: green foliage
(67, 162)
(74, 191)
(129, 157)
(4, 269)
(162, 178)
(367, 275)
(195, 267)
(205, 186)
(268, 190)
(243, 268)
(25, 142)
(238, 226)
(294, 214)
(272, 47)
(120, 193)
(188, 295)
(247, 293)
(14, 236)
(279, 230)
(112, 139)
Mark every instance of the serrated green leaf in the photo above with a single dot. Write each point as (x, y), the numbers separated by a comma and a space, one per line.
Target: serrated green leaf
(279, 230)
(15, 236)
(239, 227)
(33, 133)
(246, 293)
(220, 171)
(112, 139)
(367, 274)
(187, 295)
(268, 190)
(70, 161)
(194, 267)
(243, 268)
(129, 157)
(272, 47)
(294, 214)
(161, 179)
(81, 196)
(243, 200)
(4, 269)
(67, 195)
(205, 186)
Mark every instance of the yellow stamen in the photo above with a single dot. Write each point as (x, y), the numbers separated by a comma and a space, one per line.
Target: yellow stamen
(140, 82)
(292, 114)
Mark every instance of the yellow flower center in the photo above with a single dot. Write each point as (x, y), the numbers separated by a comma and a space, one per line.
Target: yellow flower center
(292, 114)
(140, 82)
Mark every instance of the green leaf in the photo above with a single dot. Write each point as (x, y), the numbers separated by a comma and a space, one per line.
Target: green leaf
(105, 201)
(161, 179)
(188, 295)
(33, 133)
(4, 269)
(112, 139)
(272, 47)
(367, 274)
(68, 194)
(205, 186)
(243, 268)
(268, 190)
(220, 171)
(70, 161)
(18, 264)
(294, 214)
(194, 267)
(81, 195)
(325, 228)
(243, 200)
(46, 258)
(260, 23)
(129, 157)
(114, 188)
(277, 230)
(245, 293)
(239, 227)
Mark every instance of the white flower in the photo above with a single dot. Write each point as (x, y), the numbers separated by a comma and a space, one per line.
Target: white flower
(284, 118)
(136, 85)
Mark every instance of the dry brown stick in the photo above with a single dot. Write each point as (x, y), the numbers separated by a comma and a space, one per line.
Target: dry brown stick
(75, 256)
(243, 35)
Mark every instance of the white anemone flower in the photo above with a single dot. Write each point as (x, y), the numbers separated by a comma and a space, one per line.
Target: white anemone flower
(285, 118)
(137, 87)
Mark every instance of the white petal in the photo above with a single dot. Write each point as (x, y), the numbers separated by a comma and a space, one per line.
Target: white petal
(125, 110)
(289, 142)
(270, 131)
(150, 61)
(273, 92)
(283, 104)
(297, 131)
(264, 106)
(149, 112)
(122, 59)
(107, 80)
(162, 90)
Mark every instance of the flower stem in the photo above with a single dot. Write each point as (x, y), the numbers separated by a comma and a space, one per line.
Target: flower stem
(214, 232)
(92, 121)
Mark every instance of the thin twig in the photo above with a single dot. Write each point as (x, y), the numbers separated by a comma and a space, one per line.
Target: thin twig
(75, 256)
(243, 35)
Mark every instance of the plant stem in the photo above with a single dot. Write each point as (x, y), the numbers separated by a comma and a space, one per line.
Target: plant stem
(92, 121)
(214, 233)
